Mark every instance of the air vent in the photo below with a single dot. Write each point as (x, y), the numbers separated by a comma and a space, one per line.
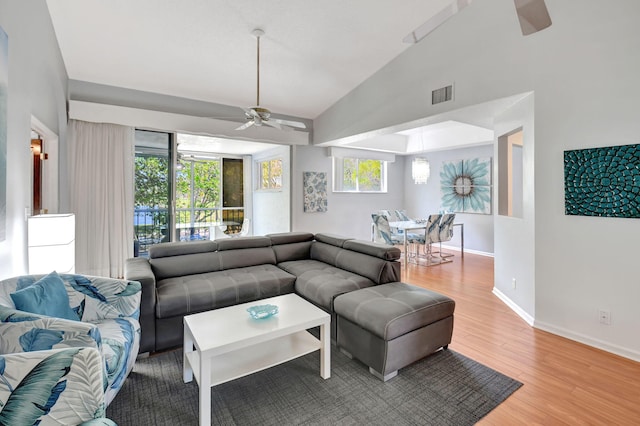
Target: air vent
(443, 94)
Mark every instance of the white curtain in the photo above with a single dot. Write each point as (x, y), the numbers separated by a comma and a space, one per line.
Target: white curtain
(101, 172)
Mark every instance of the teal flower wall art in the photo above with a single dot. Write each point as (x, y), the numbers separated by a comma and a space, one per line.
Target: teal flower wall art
(465, 186)
(603, 181)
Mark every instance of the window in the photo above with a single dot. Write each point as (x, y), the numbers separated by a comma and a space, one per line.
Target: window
(270, 174)
(359, 175)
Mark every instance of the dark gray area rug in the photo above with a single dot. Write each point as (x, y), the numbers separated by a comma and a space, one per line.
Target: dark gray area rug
(445, 388)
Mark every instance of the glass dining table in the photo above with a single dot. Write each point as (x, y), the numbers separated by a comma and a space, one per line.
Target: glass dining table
(410, 225)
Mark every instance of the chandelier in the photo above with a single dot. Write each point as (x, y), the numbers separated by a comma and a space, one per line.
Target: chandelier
(420, 170)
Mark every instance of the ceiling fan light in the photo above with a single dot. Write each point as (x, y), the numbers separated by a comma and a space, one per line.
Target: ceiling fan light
(420, 170)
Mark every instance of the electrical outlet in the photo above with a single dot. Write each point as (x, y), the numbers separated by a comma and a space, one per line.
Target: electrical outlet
(605, 316)
(513, 283)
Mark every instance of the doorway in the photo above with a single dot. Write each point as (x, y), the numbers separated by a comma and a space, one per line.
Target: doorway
(38, 156)
(44, 169)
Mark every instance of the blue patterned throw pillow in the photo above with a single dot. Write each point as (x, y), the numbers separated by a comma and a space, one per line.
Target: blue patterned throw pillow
(48, 296)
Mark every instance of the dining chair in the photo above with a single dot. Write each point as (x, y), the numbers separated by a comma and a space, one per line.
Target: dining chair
(245, 230)
(432, 234)
(402, 216)
(387, 214)
(384, 234)
(446, 232)
(382, 231)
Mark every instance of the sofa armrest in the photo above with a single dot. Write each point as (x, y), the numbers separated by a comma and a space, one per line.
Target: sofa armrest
(59, 386)
(26, 332)
(139, 269)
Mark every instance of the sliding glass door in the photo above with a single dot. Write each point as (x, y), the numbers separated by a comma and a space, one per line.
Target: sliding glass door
(153, 188)
(185, 199)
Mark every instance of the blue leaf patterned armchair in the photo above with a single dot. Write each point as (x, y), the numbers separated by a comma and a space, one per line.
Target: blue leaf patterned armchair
(66, 370)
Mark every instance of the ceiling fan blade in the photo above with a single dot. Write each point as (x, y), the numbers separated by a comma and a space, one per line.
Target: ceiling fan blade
(273, 123)
(246, 125)
(533, 15)
(296, 124)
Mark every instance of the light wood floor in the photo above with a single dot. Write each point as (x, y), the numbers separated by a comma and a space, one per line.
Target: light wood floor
(565, 382)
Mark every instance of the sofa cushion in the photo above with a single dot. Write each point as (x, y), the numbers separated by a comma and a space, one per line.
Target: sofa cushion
(176, 266)
(195, 293)
(290, 237)
(243, 242)
(394, 309)
(382, 251)
(324, 252)
(245, 257)
(376, 269)
(333, 239)
(321, 283)
(291, 245)
(53, 387)
(293, 251)
(25, 332)
(180, 248)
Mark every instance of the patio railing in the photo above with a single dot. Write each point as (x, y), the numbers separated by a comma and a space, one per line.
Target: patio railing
(151, 225)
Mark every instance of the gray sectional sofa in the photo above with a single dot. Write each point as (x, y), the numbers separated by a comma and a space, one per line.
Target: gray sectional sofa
(183, 278)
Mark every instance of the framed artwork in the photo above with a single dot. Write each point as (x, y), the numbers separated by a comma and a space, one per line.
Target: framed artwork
(603, 181)
(465, 186)
(315, 192)
(4, 89)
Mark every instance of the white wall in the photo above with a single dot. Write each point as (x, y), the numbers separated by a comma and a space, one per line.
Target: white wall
(347, 214)
(38, 88)
(584, 74)
(422, 200)
(515, 236)
(271, 208)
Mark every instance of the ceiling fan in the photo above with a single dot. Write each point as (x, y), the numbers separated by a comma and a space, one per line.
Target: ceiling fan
(532, 15)
(257, 115)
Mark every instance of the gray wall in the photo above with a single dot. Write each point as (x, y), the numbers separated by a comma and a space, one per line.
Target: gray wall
(584, 73)
(347, 213)
(38, 88)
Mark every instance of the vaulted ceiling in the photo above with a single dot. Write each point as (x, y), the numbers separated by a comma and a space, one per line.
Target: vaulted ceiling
(312, 54)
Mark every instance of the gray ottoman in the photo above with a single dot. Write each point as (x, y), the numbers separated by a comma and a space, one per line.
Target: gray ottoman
(390, 326)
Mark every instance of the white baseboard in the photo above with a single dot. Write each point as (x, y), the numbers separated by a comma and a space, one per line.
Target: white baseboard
(466, 250)
(514, 307)
(568, 334)
(590, 341)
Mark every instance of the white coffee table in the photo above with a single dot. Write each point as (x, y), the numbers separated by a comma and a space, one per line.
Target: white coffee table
(225, 344)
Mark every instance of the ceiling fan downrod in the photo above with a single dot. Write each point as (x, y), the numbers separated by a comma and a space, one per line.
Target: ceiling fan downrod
(258, 33)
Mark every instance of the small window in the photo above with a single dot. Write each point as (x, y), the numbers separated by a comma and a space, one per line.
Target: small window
(359, 175)
(270, 174)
